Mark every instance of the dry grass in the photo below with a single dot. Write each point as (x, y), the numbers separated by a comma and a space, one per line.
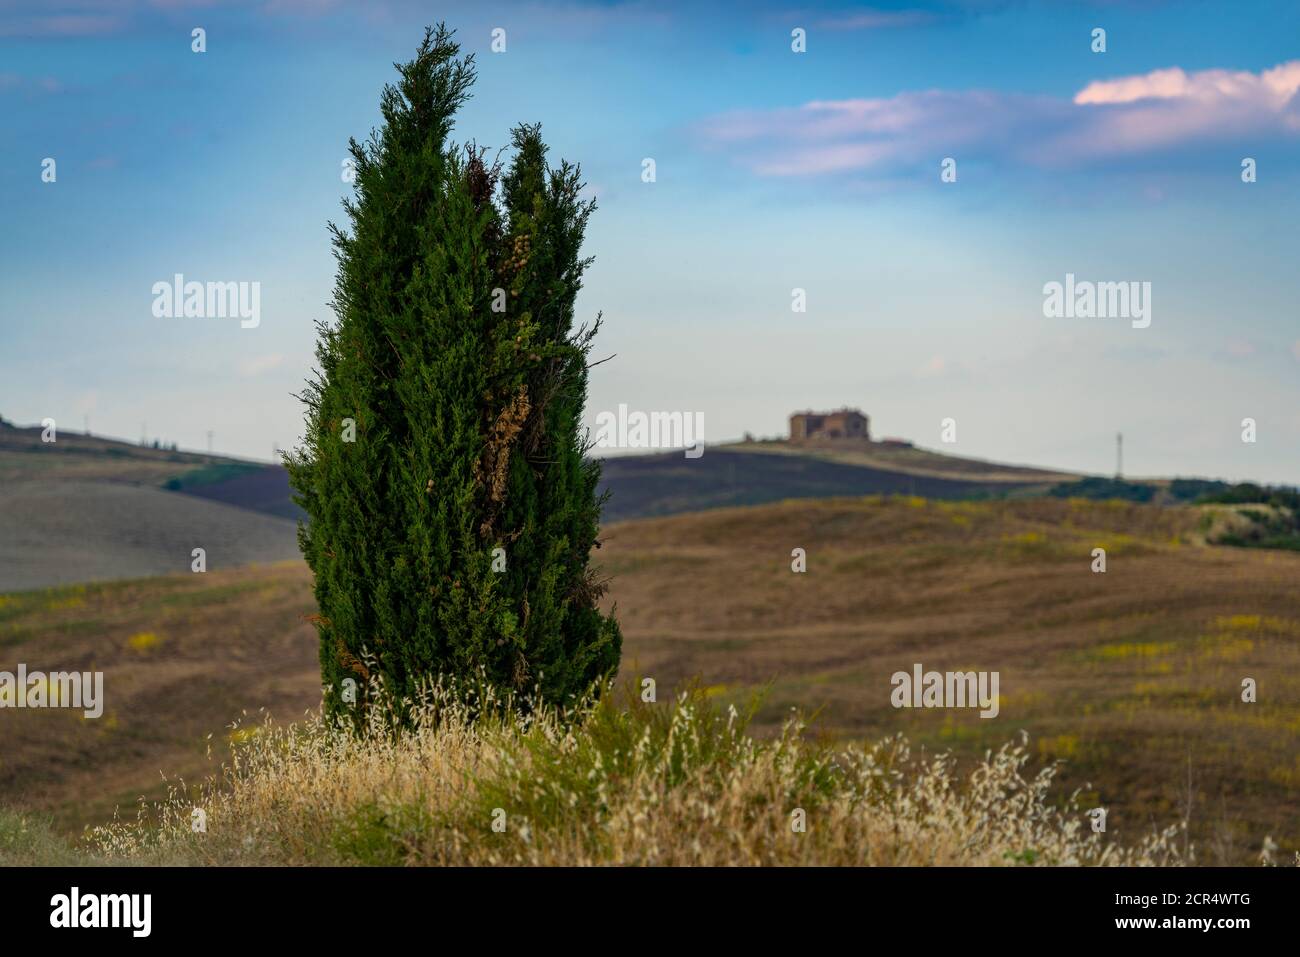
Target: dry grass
(181, 656)
(1122, 675)
(1130, 679)
(635, 784)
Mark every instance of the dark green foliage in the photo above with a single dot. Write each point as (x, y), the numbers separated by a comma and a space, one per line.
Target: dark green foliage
(1277, 525)
(210, 475)
(1280, 529)
(454, 353)
(1189, 490)
(1248, 493)
(1104, 488)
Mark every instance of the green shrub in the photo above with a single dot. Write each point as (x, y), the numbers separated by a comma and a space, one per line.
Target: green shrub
(29, 840)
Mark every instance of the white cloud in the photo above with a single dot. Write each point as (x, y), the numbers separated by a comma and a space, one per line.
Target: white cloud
(1273, 88)
(1107, 118)
(251, 366)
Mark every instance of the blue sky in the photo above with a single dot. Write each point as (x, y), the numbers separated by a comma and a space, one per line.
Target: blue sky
(775, 170)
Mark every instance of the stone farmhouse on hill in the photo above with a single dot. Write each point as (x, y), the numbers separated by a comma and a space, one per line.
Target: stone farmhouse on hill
(840, 424)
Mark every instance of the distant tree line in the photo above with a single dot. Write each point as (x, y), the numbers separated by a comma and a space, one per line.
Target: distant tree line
(1275, 525)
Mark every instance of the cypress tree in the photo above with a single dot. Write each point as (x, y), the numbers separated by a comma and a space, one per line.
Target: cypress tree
(451, 504)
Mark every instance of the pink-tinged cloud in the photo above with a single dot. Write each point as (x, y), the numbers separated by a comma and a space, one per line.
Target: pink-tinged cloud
(60, 25)
(182, 5)
(937, 365)
(310, 8)
(1273, 87)
(868, 19)
(1125, 116)
(88, 18)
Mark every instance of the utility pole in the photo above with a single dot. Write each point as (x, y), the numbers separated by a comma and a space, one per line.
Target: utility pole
(85, 418)
(1119, 455)
(209, 441)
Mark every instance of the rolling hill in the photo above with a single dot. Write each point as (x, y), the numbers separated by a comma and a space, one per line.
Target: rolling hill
(75, 455)
(1132, 677)
(761, 472)
(87, 508)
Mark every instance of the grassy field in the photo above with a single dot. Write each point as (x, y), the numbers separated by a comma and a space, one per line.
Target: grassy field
(183, 656)
(1130, 678)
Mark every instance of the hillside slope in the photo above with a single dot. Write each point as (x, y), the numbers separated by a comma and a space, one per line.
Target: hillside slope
(639, 485)
(85, 508)
(75, 455)
(758, 473)
(895, 456)
(75, 530)
(1131, 677)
